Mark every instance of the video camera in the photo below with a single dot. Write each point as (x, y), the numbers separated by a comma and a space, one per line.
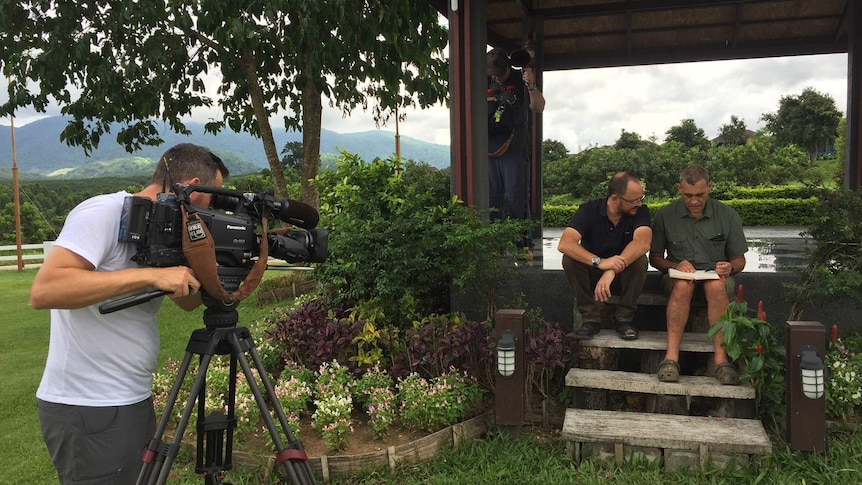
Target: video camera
(157, 229)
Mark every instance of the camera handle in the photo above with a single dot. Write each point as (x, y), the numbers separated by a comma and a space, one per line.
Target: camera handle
(129, 301)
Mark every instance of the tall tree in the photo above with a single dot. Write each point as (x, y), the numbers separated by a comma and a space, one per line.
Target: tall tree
(628, 139)
(688, 133)
(734, 133)
(130, 62)
(809, 120)
(553, 150)
(293, 156)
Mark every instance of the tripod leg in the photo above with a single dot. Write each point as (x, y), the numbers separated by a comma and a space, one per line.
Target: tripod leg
(153, 455)
(197, 389)
(295, 460)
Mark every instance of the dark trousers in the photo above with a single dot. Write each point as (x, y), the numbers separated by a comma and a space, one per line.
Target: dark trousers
(509, 184)
(509, 188)
(627, 285)
(97, 446)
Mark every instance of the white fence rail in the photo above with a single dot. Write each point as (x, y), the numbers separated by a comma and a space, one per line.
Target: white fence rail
(10, 253)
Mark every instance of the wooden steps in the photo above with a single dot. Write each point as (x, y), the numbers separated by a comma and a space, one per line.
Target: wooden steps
(648, 384)
(676, 438)
(610, 339)
(727, 435)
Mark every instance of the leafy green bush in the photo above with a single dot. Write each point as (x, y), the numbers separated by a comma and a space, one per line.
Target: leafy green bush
(844, 386)
(776, 212)
(397, 237)
(442, 401)
(834, 263)
(724, 192)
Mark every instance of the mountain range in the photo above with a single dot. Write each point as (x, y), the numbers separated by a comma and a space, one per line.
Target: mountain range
(41, 154)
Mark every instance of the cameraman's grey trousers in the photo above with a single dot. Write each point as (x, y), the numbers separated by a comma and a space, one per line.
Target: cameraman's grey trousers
(97, 445)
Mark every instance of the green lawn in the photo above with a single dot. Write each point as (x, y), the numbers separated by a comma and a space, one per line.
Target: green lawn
(24, 337)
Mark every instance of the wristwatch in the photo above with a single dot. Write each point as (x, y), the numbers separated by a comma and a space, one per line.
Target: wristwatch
(596, 261)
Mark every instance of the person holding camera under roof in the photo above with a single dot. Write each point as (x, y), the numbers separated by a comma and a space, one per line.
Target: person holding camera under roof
(511, 93)
(94, 402)
(693, 233)
(604, 250)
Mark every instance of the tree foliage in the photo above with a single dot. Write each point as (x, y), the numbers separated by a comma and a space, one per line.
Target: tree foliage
(585, 175)
(628, 139)
(134, 63)
(809, 120)
(758, 162)
(688, 133)
(293, 156)
(734, 133)
(553, 150)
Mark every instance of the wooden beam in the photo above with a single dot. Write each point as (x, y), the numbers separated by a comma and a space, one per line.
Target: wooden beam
(853, 162)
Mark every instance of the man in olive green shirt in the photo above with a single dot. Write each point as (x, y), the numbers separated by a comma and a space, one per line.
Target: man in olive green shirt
(697, 233)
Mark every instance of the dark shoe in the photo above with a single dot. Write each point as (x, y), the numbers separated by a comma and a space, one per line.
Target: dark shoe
(587, 331)
(627, 331)
(726, 374)
(668, 371)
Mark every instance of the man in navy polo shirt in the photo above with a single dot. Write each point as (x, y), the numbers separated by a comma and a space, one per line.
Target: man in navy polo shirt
(604, 251)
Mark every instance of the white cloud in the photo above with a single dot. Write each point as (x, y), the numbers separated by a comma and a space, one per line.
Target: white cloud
(589, 107)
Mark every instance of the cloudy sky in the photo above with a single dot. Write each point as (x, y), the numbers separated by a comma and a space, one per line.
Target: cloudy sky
(590, 107)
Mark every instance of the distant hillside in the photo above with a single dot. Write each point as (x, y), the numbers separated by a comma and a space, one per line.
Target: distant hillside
(40, 151)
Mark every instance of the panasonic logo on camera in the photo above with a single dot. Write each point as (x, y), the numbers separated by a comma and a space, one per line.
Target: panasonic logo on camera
(236, 228)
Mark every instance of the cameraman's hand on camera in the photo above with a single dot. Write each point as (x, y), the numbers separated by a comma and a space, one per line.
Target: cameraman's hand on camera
(67, 280)
(181, 284)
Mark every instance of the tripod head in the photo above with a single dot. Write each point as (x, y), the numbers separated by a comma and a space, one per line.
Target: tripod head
(218, 313)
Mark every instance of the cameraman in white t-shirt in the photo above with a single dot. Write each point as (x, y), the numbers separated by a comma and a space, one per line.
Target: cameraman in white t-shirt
(94, 401)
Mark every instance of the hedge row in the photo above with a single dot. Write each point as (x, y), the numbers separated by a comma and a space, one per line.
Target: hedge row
(780, 192)
(754, 212)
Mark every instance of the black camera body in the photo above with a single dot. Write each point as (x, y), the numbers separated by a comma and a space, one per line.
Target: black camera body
(156, 227)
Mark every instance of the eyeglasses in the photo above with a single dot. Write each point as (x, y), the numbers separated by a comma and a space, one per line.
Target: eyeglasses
(635, 201)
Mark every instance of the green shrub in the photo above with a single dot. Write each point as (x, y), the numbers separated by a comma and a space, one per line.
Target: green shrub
(776, 212)
(777, 192)
(398, 237)
(753, 212)
(834, 264)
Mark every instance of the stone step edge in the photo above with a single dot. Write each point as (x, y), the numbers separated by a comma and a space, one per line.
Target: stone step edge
(614, 380)
(649, 340)
(668, 431)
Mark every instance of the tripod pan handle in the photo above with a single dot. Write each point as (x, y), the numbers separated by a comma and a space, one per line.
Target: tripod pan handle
(129, 301)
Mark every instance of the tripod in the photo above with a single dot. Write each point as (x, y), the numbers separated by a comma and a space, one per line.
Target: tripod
(214, 449)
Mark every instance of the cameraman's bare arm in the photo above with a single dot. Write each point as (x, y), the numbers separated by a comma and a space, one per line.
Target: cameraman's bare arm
(66, 280)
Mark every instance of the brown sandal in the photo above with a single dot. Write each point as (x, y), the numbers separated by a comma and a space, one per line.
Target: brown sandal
(726, 374)
(668, 371)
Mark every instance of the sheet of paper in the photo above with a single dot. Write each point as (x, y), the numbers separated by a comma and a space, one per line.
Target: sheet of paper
(697, 275)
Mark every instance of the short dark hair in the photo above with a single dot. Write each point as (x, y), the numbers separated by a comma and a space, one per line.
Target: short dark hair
(693, 174)
(185, 161)
(619, 183)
